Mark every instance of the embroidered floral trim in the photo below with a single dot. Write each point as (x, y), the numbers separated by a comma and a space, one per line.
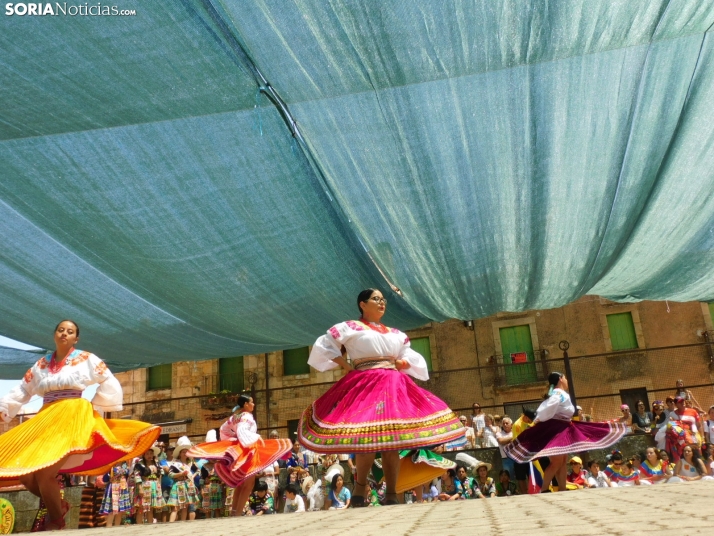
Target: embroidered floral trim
(100, 369)
(80, 359)
(28, 376)
(42, 363)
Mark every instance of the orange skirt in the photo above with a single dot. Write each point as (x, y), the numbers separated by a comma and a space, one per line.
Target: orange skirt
(72, 431)
(235, 463)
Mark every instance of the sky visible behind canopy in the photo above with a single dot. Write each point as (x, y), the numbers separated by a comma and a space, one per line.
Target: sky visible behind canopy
(214, 178)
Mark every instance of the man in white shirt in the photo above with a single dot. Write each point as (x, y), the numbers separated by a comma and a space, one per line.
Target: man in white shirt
(470, 435)
(478, 423)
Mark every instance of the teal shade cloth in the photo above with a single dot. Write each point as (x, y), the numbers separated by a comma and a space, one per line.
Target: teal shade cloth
(215, 178)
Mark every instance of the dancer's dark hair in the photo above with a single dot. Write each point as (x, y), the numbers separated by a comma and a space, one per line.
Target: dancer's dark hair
(68, 320)
(242, 400)
(365, 295)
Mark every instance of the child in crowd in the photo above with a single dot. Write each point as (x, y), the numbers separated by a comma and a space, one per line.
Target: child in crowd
(211, 491)
(117, 501)
(372, 495)
(577, 475)
(614, 469)
(505, 487)
(597, 478)
(293, 501)
(667, 465)
(260, 501)
(339, 494)
(629, 476)
(313, 493)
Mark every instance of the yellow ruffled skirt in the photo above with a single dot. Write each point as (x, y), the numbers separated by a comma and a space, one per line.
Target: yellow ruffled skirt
(72, 431)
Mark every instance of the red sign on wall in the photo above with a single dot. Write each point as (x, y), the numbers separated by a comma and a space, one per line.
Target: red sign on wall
(519, 357)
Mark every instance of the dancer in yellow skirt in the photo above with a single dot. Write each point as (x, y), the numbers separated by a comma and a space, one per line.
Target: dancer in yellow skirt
(67, 435)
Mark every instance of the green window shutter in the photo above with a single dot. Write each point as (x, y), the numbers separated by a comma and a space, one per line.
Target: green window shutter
(516, 341)
(230, 374)
(622, 331)
(295, 361)
(711, 310)
(158, 377)
(423, 347)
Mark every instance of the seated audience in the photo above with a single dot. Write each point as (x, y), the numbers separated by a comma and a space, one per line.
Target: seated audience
(465, 483)
(577, 475)
(484, 484)
(652, 470)
(628, 476)
(614, 469)
(596, 477)
(690, 467)
(505, 487)
(450, 488)
(339, 494)
(293, 501)
(260, 501)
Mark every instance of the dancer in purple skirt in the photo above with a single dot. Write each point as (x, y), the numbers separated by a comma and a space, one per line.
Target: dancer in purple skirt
(554, 434)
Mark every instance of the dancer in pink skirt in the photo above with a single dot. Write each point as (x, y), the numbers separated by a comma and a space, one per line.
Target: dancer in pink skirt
(375, 407)
(554, 434)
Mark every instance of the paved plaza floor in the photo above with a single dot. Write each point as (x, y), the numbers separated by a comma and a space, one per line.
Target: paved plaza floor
(667, 509)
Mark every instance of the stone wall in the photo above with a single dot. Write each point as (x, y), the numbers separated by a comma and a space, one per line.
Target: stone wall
(26, 505)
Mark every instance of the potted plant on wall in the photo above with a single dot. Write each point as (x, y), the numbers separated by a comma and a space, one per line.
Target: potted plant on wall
(231, 399)
(212, 401)
(228, 398)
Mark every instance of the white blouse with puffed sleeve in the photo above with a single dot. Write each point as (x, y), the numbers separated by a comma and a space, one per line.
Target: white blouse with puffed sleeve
(364, 340)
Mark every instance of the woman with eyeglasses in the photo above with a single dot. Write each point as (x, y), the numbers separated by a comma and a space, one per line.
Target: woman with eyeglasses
(555, 434)
(641, 419)
(375, 407)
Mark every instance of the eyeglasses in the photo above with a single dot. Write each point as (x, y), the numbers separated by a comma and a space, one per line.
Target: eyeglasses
(617, 464)
(378, 300)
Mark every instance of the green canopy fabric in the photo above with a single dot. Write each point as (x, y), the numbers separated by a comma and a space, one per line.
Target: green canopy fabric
(213, 178)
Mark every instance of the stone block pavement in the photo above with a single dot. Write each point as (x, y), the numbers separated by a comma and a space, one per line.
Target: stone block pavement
(665, 509)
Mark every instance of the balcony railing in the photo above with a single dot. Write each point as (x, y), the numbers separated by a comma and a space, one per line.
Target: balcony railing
(519, 368)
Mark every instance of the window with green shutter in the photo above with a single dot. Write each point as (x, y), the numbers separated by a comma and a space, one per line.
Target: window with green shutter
(422, 346)
(230, 374)
(158, 377)
(518, 356)
(622, 331)
(295, 361)
(711, 310)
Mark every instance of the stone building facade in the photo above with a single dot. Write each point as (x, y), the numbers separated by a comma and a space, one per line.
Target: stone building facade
(469, 364)
(499, 361)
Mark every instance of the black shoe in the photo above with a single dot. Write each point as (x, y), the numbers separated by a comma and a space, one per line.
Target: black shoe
(357, 501)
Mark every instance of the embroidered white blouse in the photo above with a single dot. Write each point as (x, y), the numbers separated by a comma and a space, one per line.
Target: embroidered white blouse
(81, 369)
(361, 342)
(556, 406)
(240, 427)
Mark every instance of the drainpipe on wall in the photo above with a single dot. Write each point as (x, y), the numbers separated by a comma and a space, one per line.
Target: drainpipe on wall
(267, 393)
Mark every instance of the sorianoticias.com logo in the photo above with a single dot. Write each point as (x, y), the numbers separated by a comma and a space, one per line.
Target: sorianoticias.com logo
(46, 9)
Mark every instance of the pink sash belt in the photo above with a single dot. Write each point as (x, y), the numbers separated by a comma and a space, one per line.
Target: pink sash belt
(54, 396)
